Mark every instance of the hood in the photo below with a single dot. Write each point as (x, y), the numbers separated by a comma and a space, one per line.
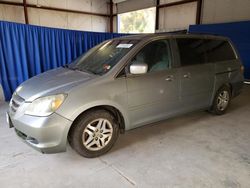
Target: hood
(52, 82)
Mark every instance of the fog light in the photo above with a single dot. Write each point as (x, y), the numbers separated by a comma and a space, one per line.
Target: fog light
(32, 140)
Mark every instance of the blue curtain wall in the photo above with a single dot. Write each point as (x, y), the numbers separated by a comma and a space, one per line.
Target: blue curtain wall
(27, 50)
(238, 32)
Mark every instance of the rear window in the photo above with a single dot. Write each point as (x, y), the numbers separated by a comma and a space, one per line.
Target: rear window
(198, 51)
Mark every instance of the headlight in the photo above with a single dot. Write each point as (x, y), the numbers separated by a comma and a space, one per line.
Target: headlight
(45, 106)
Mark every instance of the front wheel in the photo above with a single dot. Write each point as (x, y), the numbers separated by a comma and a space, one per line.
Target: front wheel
(94, 133)
(221, 101)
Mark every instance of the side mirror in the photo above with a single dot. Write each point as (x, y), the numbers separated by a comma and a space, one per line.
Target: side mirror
(138, 68)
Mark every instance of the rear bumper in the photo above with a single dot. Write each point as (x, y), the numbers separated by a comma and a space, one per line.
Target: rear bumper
(45, 134)
(237, 88)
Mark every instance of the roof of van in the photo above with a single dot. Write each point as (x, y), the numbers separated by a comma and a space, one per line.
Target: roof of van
(149, 36)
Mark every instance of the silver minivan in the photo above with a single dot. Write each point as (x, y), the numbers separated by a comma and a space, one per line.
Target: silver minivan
(122, 84)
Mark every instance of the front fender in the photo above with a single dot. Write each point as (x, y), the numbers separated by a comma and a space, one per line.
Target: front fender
(79, 110)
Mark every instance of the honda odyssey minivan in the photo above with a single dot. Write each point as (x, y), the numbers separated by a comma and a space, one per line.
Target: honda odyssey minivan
(122, 84)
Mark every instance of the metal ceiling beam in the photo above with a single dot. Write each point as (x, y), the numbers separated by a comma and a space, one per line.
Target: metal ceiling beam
(198, 12)
(111, 16)
(25, 12)
(157, 17)
(11, 3)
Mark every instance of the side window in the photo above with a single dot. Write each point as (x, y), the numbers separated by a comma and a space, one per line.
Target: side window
(219, 50)
(191, 51)
(156, 55)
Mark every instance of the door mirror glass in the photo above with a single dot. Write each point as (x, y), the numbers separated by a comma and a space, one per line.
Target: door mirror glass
(138, 68)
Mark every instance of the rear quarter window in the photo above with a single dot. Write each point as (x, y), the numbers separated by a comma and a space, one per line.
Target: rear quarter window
(218, 50)
(194, 51)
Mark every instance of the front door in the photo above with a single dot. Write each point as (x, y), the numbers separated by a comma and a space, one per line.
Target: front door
(154, 95)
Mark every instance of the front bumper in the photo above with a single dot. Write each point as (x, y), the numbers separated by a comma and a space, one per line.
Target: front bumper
(45, 134)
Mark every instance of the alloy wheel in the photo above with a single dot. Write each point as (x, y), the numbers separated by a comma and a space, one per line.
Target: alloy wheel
(223, 100)
(97, 134)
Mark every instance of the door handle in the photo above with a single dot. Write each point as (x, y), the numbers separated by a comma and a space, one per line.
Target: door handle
(188, 75)
(170, 78)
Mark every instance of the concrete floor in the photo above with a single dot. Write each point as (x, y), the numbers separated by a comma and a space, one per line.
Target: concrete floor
(194, 150)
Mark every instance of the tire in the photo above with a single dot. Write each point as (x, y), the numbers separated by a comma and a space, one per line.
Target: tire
(221, 101)
(94, 133)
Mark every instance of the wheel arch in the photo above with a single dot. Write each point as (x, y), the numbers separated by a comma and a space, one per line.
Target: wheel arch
(229, 85)
(119, 116)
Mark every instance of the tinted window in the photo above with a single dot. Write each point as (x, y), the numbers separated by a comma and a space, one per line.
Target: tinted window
(156, 54)
(191, 51)
(218, 50)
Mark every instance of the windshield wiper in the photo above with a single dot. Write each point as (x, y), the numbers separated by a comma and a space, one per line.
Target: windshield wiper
(67, 66)
(79, 69)
(87, 71)
(70, 67)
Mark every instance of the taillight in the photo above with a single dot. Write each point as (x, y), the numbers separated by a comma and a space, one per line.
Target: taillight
(242, 69)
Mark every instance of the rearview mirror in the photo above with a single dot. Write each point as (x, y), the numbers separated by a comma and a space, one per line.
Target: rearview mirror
(138, 68)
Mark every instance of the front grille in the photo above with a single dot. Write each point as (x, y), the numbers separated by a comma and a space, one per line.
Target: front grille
(15, 102)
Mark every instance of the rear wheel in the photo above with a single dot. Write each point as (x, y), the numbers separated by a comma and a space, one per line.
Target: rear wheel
(221, 101)
(94, 133)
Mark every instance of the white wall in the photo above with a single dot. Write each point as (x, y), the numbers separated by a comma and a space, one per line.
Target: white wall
(177, 17)
(11, 13)
(221, 11)
(115, 26)
(58, 19)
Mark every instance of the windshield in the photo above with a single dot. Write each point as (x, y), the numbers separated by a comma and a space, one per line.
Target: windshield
(102, 58)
